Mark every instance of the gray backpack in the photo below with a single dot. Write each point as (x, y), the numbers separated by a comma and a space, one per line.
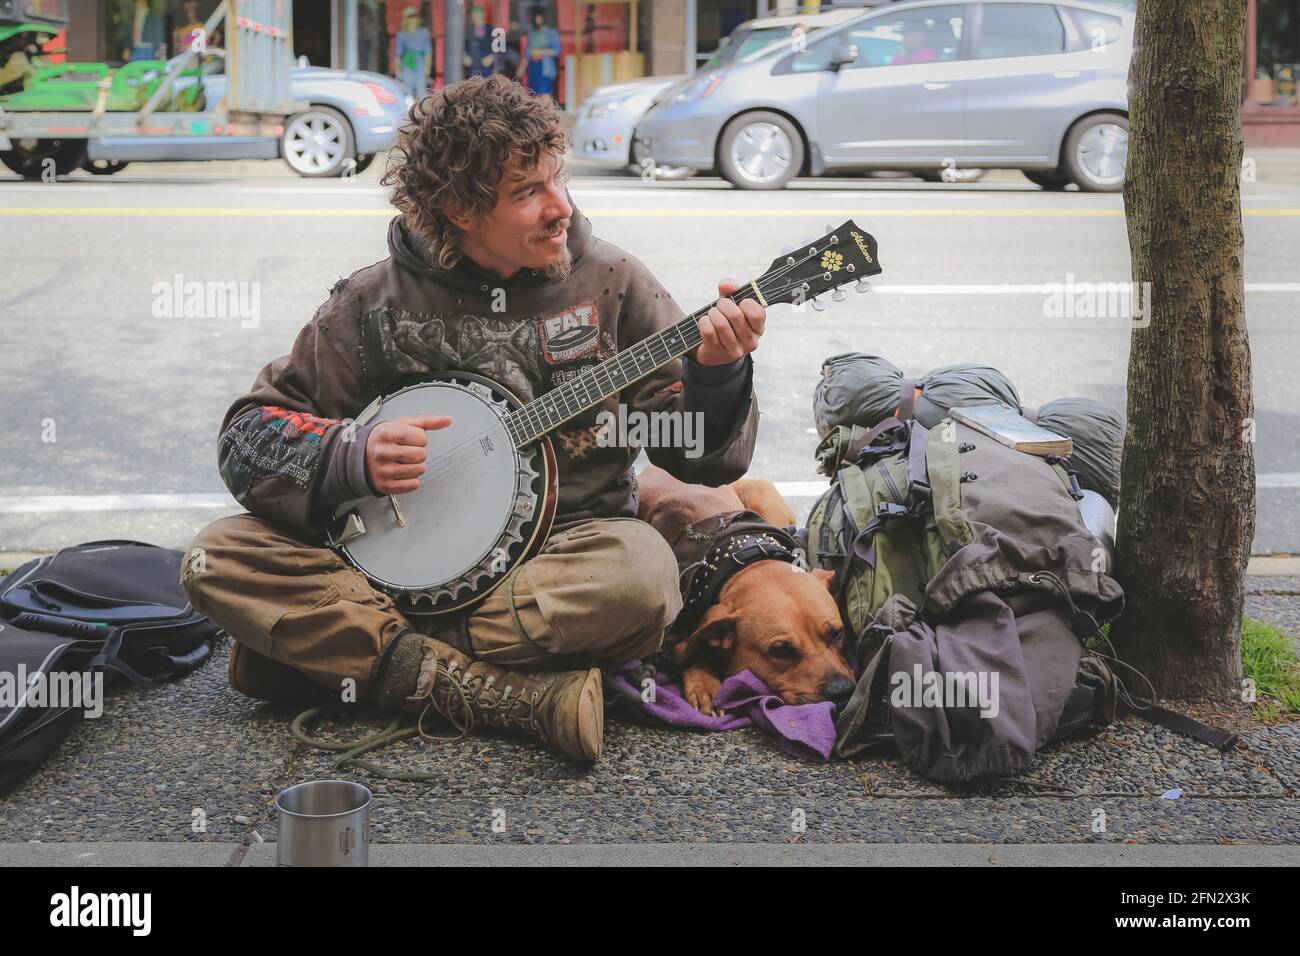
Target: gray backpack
(971, 584)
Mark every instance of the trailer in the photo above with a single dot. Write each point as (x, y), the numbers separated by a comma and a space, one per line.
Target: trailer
(45, 126)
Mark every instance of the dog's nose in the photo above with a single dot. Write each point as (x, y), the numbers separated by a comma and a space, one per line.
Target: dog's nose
(837, 689)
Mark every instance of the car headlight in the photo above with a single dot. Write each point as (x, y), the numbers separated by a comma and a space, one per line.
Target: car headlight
(696, 89)
(603, 108)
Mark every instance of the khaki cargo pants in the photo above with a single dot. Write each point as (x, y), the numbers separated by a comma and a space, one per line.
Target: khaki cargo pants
(599, 591)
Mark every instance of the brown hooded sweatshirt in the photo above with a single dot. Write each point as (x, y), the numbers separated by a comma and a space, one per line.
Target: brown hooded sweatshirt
(287, 451)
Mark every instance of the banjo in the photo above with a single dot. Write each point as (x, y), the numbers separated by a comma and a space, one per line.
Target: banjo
(488, 494)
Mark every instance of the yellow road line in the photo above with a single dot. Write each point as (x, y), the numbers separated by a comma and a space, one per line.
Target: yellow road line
(264, 213)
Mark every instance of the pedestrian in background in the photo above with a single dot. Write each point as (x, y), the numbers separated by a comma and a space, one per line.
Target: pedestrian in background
(543, 55)
(184, 35)
(413, 55)
(480, 58)
(145, 37)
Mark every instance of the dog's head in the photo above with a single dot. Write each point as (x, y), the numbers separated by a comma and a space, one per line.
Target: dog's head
(783, 625)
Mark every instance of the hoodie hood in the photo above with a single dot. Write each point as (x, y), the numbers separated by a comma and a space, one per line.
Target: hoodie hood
(409, 253)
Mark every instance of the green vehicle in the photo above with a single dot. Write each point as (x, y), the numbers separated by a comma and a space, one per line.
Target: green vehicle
(49, 111)
(26, 30)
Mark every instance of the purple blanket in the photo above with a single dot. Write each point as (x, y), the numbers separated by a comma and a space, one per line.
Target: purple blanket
(806, 730)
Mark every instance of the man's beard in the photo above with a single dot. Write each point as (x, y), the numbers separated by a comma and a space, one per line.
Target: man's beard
(561, 268)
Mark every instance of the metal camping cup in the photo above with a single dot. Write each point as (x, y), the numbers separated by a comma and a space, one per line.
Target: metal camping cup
(324, 823)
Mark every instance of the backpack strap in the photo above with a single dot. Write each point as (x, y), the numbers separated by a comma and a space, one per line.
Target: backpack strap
(907, 398)
(864, 442)
(1187, 726)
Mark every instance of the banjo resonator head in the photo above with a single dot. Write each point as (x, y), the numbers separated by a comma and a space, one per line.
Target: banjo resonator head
(481, 504)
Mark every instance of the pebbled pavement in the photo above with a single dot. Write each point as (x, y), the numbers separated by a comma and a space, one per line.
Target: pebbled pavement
(141, 771)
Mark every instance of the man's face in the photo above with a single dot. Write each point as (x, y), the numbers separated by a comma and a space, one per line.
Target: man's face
(528, 227)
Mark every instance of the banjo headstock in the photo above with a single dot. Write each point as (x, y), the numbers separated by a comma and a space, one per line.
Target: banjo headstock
(843, 255)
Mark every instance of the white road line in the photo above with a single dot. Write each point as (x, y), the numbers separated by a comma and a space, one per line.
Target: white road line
(56, 504)
(50, 504)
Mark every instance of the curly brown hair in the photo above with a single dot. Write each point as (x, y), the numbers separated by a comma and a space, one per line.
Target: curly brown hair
(458, 144)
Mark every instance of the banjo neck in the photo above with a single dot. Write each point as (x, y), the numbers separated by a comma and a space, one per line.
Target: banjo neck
(842, 256)
(593, 386)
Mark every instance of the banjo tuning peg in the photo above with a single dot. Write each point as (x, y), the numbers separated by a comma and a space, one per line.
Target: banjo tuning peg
(818, 306)
(839, 295)
(862, 285)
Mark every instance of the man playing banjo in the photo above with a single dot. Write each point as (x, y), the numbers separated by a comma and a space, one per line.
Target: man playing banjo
(491, 270)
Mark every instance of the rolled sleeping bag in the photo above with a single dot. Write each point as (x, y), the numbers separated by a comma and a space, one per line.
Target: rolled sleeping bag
(953, 386)
(1097, 430)
(856, 389)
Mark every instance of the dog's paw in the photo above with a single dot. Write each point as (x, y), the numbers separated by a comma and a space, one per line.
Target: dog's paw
(699, 687)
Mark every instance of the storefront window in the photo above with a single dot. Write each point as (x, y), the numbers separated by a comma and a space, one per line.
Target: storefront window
(153, 29)
(1278, 53)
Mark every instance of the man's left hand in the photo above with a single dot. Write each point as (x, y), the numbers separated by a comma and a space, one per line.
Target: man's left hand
(731, 329)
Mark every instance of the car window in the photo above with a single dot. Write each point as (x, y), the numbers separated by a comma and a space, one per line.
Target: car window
(1098, 30)
(1019, 29)
(756, 40)
(744, 42)
(931, 35)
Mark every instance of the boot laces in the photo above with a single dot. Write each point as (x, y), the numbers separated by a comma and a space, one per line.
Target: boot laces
(466, 690)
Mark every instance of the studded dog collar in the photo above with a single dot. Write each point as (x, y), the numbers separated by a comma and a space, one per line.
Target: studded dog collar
(710, 552)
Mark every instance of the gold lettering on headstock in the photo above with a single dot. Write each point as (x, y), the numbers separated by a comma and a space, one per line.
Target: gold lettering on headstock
(857, 237)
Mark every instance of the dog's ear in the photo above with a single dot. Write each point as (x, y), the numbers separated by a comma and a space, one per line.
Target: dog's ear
(825, 577)
(716, 630)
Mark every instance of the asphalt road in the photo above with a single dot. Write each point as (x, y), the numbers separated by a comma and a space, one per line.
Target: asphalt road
(132, 400)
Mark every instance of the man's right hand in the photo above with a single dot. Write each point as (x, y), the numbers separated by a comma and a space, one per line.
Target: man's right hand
(395, 452)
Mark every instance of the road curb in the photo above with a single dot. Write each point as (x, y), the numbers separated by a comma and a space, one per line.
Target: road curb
(668, 854)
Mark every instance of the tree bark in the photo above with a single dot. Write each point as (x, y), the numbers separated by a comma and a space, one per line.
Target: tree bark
(1187, 510)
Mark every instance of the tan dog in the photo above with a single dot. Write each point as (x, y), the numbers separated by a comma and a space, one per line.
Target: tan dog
(778, 621)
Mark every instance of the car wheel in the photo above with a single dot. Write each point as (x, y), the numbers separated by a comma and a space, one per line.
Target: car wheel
(760, 150)
(104, 167)
(661, 172)
(28, 157)
(1048, 179)
(317, 143)
(1096, 152)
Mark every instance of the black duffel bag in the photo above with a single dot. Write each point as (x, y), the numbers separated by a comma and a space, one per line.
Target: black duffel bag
(114, 608)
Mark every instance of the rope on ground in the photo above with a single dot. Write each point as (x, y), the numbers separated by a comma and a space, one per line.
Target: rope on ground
(350, 752)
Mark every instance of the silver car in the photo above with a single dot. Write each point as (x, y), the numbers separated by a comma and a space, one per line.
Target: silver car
(602, 135)
(1019, 84)
(347, 116)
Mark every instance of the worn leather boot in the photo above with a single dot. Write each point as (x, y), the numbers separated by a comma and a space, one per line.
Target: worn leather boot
(260, 677)
(563, 709)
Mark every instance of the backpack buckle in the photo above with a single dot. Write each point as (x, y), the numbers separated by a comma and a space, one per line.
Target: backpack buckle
(890, 509)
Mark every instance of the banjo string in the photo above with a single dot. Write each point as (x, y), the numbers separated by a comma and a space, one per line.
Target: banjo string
(453, 458)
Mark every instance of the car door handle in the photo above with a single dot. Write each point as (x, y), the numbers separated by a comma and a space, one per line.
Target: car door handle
(1065, 74)
(936, 85)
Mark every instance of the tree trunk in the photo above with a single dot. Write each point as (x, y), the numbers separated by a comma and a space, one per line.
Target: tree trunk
(1187, 511)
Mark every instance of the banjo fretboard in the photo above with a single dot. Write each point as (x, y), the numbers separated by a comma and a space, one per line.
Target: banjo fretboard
(593, 386)
(839, 257)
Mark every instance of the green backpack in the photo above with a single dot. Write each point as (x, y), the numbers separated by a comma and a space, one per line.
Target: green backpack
(892, 516)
